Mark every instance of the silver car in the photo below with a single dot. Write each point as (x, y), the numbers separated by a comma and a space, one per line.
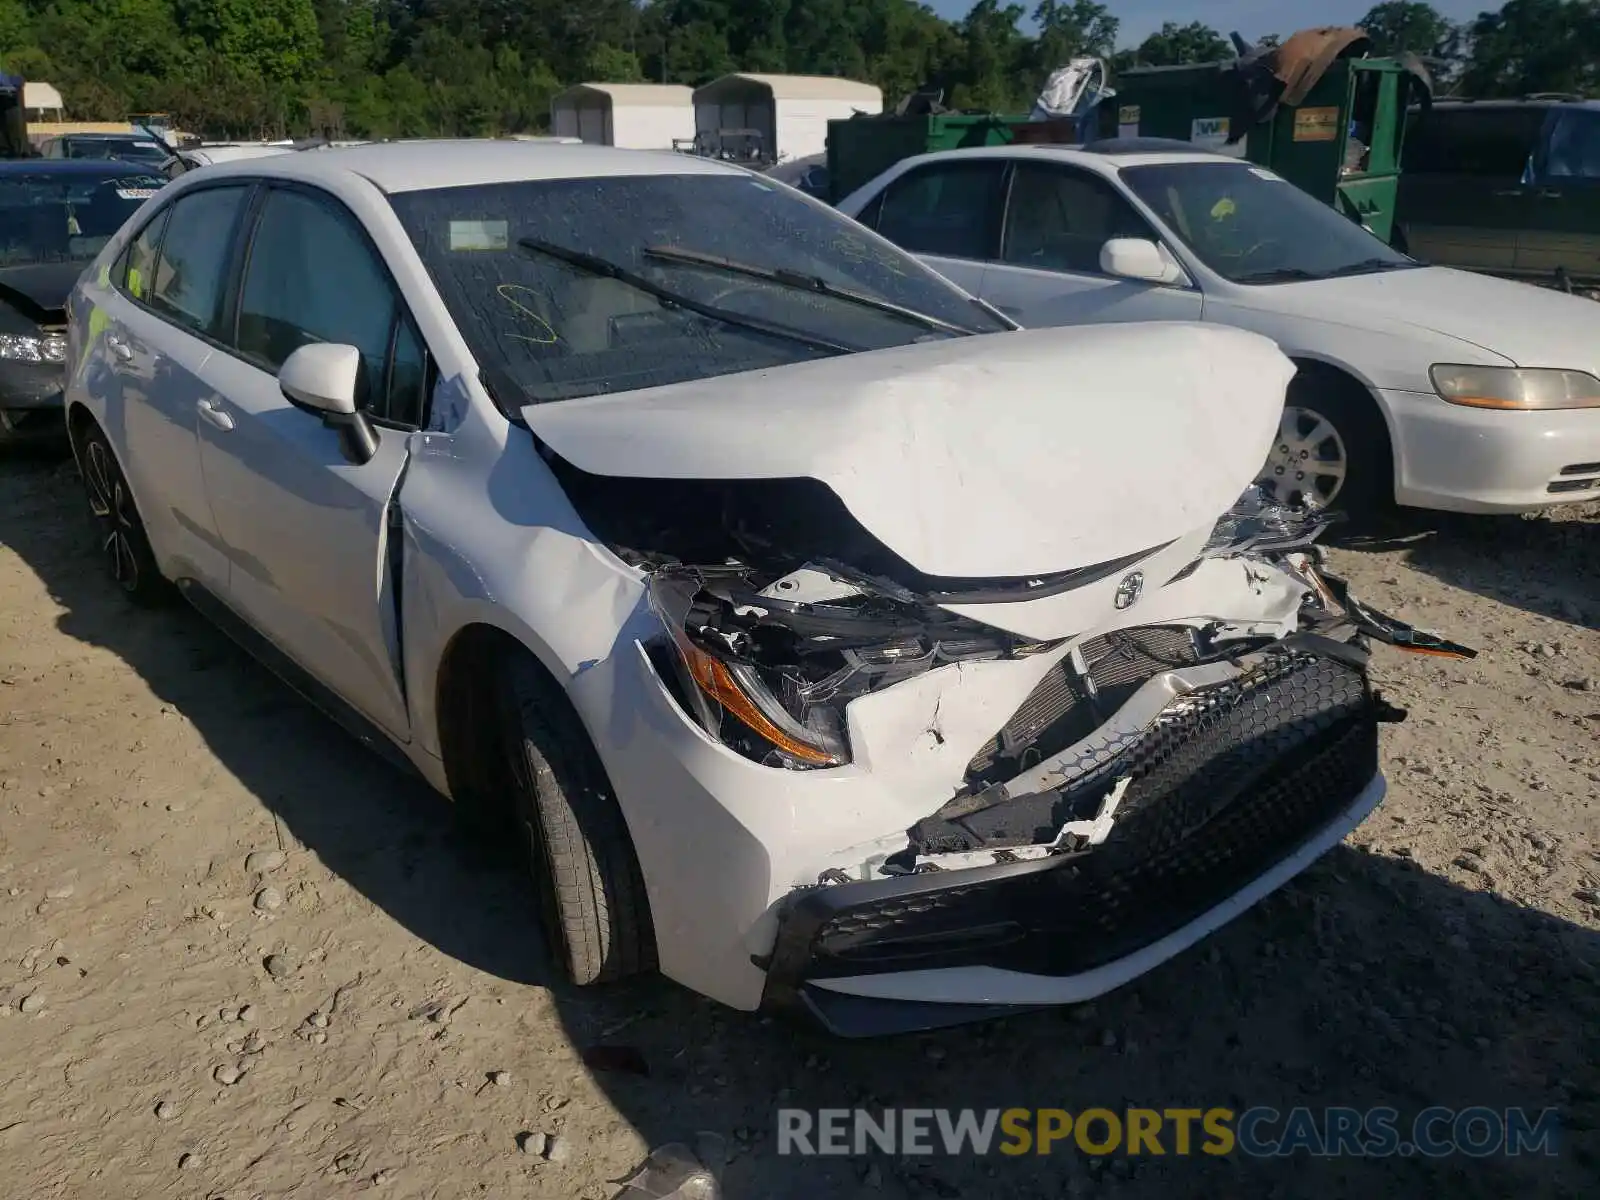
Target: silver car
(788, 604)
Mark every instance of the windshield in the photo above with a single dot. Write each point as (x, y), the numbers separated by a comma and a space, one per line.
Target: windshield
(130, 149)
(1249, 226)
(550, 327)
(60, 217)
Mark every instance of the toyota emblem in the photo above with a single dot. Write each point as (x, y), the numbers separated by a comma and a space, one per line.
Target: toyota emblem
(1128, 590)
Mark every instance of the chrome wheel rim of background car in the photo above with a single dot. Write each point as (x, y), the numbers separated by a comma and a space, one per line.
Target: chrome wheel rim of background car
(1308, 462)
(108, 501)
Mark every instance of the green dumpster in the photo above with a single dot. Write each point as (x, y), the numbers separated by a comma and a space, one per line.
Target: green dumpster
(1342, 143)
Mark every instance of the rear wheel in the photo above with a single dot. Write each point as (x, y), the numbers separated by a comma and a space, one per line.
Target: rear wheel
(120, 533)
(1332, 450)
(592, 901)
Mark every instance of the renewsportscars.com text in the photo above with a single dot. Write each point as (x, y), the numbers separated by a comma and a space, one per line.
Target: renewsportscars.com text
(1258, 1132)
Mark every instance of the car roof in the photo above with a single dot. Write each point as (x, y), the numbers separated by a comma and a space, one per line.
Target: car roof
(1103, 161)
(133, 135)
(73, 166)
(1516, 103)
(411, 166)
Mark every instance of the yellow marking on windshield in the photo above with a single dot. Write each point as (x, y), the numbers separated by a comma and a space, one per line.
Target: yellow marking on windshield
(504, 291)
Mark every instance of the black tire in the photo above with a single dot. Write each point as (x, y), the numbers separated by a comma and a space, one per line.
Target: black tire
(592, 901)
(120, 533)
(1368, 485)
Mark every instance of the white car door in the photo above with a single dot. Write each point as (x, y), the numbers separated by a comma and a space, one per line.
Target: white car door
(158, 315)
(947, 213)
(1057, 219)
(310, 534)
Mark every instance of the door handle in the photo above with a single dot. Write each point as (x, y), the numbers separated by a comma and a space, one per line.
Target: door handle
(119, 347)
(209, 410)
(1550, 194)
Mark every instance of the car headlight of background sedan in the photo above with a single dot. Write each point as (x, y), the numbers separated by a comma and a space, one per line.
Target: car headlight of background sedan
(1531, 389)
(41, 348)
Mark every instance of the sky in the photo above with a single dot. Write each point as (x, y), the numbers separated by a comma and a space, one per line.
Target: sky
(1250, 17)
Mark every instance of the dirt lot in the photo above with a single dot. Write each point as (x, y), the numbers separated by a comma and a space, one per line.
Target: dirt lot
(1448, 955)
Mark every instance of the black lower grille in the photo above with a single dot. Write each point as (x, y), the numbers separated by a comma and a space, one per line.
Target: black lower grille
(1063, 709)
(1229, 783)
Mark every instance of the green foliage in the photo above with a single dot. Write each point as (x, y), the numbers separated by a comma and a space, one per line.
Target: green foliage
(379, 68)
(1397, 26)
(1179, 45)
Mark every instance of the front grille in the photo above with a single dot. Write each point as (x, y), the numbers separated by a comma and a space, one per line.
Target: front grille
(1064, 709)
(1582, 469)
(1226, 785)
(1571, 485)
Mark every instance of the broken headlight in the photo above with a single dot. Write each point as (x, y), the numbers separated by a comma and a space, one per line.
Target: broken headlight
(770, 676)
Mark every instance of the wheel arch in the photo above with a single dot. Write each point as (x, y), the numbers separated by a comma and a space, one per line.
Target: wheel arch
(466, 715)
(1352, 383)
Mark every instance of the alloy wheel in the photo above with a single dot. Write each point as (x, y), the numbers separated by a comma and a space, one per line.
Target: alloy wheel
(113, 509)
(1308, 462)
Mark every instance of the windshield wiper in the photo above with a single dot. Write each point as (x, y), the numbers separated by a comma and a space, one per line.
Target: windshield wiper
(1370, 266)
(802, 282)
(1279, 275)
(593, 264)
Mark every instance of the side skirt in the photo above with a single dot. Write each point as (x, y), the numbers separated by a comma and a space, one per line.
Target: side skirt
(297, 678)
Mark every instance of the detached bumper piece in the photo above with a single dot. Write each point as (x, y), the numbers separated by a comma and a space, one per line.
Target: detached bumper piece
(1228, 783)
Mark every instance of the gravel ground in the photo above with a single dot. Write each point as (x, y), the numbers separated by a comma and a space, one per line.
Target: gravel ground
(240, 958)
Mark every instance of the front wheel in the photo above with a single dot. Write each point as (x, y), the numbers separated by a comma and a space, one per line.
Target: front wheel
(124, 546)
(592, 902)
(1332, 450)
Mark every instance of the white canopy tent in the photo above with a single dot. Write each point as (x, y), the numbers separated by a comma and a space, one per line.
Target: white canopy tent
(42, 101)
(634, 116)
(787, 115)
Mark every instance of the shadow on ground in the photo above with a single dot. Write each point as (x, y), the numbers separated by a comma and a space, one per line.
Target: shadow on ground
(1548, 565)
(1367, 982)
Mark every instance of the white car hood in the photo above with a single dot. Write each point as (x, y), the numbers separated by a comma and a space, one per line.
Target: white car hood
(1000, 456)
(1530, 326)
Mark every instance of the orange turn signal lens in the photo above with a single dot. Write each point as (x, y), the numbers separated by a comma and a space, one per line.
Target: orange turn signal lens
(717, 682)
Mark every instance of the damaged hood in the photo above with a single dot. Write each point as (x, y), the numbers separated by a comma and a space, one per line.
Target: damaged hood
(999, 456)
(39, 291)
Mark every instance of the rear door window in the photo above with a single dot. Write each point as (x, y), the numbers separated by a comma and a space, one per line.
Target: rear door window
(190, 274)
(948, 208)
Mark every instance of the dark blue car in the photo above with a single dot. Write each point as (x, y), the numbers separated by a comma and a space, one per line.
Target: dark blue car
(54, 218)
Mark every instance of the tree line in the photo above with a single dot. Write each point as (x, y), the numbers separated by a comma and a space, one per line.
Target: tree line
(399, 68)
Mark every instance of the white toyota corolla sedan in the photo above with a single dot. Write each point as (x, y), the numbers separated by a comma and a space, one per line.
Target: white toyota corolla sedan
(800, 617)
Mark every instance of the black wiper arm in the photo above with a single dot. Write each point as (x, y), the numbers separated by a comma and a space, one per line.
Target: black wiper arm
(1369, 266)
(1279, 275)
(801, 282)
(593, 264)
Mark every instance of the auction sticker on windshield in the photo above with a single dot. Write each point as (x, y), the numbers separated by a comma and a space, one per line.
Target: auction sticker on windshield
(480, 235)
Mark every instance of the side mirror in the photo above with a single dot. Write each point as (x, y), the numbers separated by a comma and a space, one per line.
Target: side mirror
(1138, 259)
(322, 378)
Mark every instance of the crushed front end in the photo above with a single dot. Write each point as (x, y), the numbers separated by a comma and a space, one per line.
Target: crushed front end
(1155, 781)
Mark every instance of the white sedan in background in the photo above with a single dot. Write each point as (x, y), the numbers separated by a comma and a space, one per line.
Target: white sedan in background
(1417, 385)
